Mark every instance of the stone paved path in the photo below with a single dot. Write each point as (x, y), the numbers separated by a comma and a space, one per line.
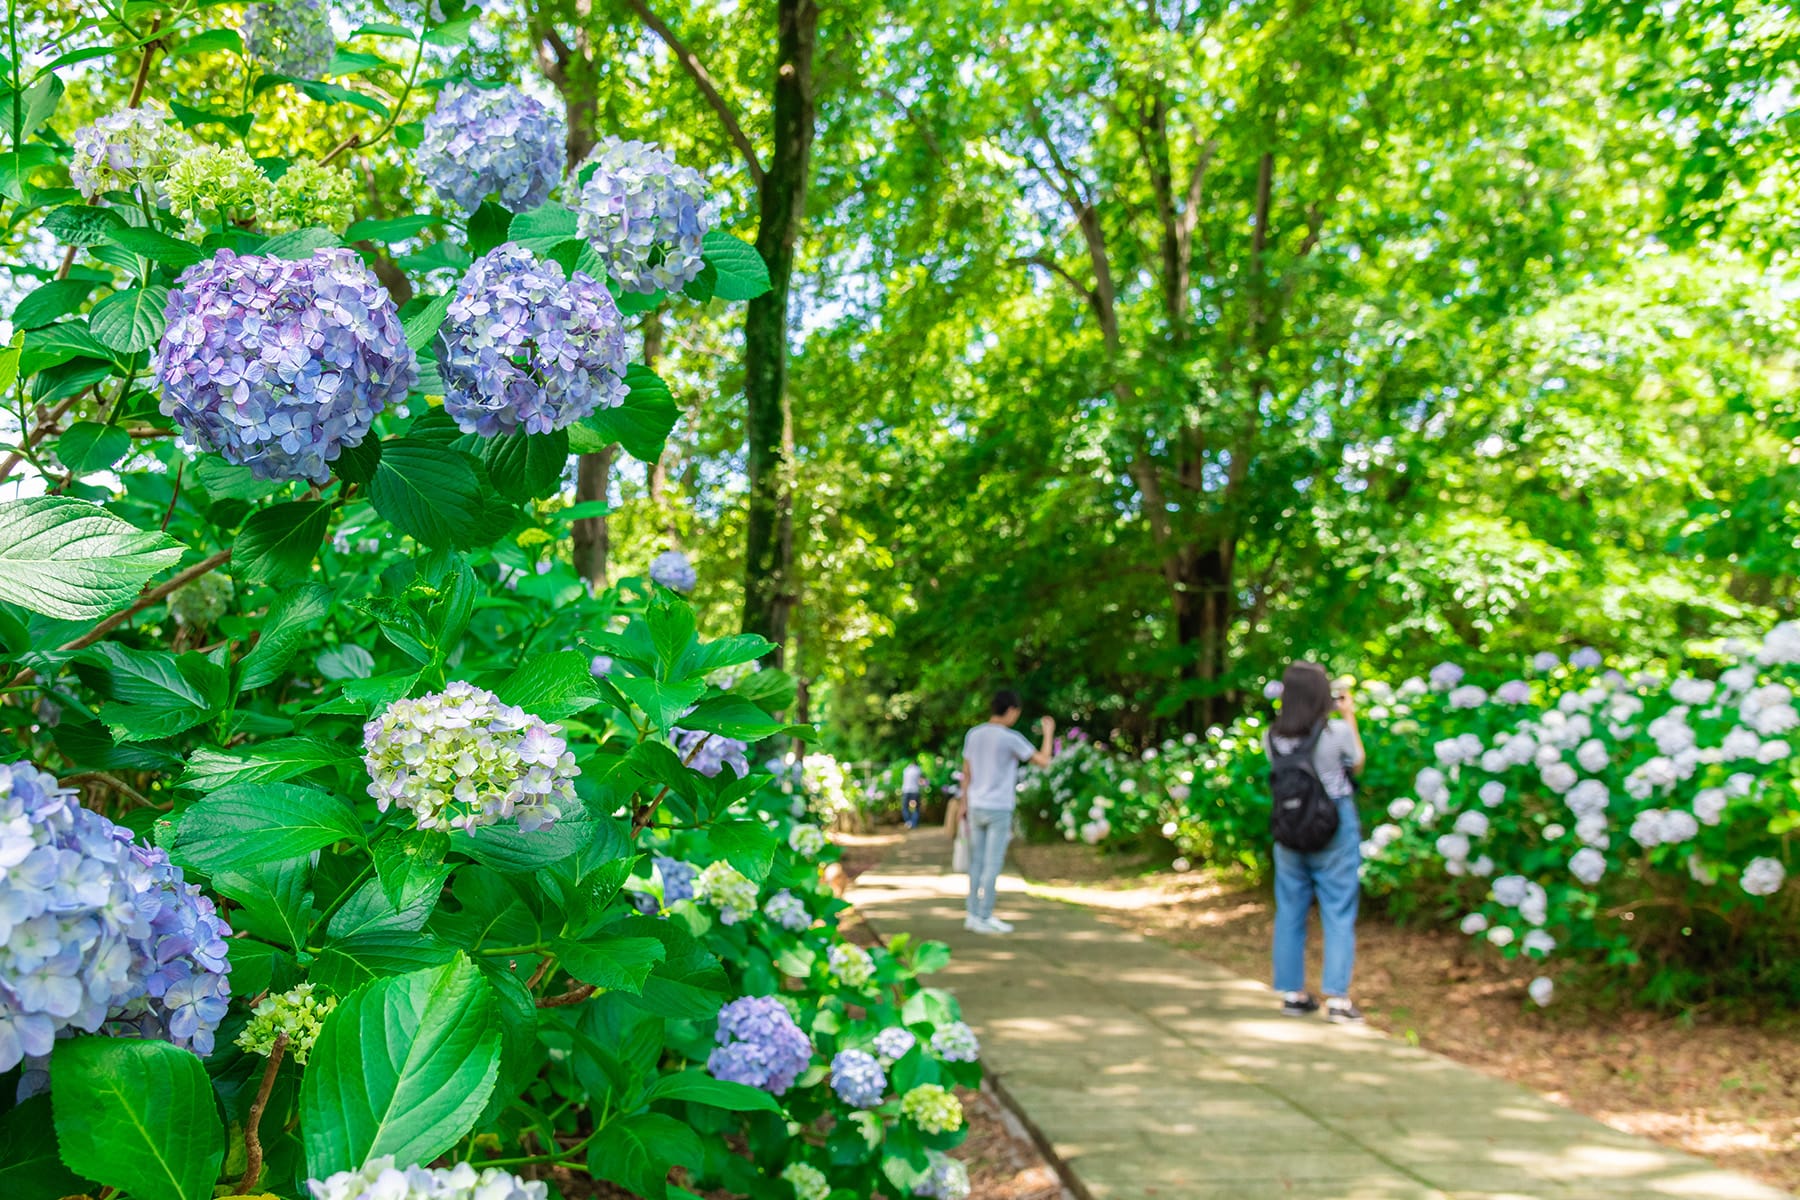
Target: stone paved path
(1153, 1075)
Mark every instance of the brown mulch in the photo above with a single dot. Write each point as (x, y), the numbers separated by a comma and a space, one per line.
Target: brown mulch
(1725, 1091)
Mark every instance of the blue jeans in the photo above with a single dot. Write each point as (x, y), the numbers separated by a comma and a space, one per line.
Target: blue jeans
(1330, 876)
(989, 831)
(909, 809)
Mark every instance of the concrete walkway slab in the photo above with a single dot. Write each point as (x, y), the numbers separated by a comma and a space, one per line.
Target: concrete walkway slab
(1152, 1076)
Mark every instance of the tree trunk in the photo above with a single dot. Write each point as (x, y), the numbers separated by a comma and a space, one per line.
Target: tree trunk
(591, 536)
(769, 529)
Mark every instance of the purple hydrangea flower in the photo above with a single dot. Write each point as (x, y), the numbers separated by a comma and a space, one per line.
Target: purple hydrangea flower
(713, 755)
(895, 1042)
(480, 142)
(125, 148)
(1513, 691)
(1445, 676)
(278, 365)
(1545, 660)
(523, 348)
(1585, 658)
(644, 214)
(601, 666)
(96, 931)
(672, 569)
(788, 911)
(857, 1078)
(759, 1045)
(1272, 690)
(292, 38)
(677, 878)
(946, 1178)
(956, 1042)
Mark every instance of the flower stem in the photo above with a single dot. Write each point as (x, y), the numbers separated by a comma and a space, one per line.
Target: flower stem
(253, 1151)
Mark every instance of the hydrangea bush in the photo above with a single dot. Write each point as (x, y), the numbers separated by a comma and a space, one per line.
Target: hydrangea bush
(334, 790)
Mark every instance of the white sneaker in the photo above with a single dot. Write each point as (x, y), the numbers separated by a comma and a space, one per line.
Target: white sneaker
(999, 926)
(979, 925)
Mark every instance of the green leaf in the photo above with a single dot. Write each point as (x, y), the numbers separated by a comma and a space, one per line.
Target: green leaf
(278, 543)
(662, 702)
(192, 117)
(406, 863)
(137, 1115)
(154, 694)
(249, 824)
(273, 761)
(210, 40)
(689, 984)
(553, 685)
(611, 961)
(747, 845)
(16, 167)
(369, 911)
(487, 227)
(229, 481)
(636, 1152)
(382, 29)
(130, 320)
(356, 464)
(698, 1087)
(430, 492)
(641, 424)
(346, 662)
(349, 963)
(543, 229)
(422, 326)
(90, 446)
(277, 904)
(350, 62)
(29, 1165)
(284, 631)
(40, 101)
(403, 1066)
(526, 466)
(300, 243)
(82, 224)
(51, 301)
(73, 560)
(386, 231)
(742, 273)
(157, 247)
(733, 716)
(512, 850)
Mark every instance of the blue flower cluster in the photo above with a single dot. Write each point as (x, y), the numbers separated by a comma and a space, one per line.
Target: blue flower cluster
(480, 142)
(895, 1042)
(644, 214)
(788, 911)
(292, 38)
(946, 1178)
(759, 1045)
(95, 930)
(677, 878)
(857, 1078)
(712, 755)
(278, 365)
(523, 348)
(672, 569)
(956, 1042)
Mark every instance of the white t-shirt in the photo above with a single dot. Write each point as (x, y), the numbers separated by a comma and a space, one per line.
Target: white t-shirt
(1331, 757)
(994, 752)
(912, 778)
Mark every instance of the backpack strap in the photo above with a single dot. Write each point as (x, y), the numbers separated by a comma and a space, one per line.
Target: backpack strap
(1303, 752)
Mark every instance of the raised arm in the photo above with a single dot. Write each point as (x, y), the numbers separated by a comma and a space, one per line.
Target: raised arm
(1045, 750)
(1347, 709)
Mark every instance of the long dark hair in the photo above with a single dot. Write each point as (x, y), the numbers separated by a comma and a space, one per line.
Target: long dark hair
(1305, 700)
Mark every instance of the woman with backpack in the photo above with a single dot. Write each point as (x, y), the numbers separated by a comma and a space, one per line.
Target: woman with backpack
(1318, 844)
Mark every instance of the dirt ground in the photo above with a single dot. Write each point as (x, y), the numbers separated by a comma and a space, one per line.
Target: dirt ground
(1726, 1092)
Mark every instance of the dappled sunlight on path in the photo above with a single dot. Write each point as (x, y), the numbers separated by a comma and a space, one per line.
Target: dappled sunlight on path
(1153, 1075)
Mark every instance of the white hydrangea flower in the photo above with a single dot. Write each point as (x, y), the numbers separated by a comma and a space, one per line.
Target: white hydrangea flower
(1773, 751)
(1472, 824)
(1474, 923)
(851, 965)
(380, 1179)
(1587, 865)
(1591, 830)
(1690, 691)
(1763, 877)
(1541, 990)
(1740, 743)
(1454, 847)
(1509, 890)
(1481, 867)
(1709, 805)
(1559, 777)
(1700, 871)
(1553, 831)
(1501, 935)
(806, 840)
(1383, 835)
(1468, 696)
(1537, 942)
(1495, 761)
(1401, 809)
(1592, 756)
(1431, 785)
(1738, 679)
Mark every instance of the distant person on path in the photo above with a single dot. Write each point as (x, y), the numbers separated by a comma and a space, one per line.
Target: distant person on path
(1318, 845)
(992, 752)
(912, 782)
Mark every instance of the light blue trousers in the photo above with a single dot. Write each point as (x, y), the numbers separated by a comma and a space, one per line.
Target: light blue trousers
(1331, 877)
(989, 831)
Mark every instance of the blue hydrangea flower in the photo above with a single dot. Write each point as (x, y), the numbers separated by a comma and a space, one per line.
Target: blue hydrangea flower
(713, 754)
(644, 214)
(946, 1178)
(1513, 691)
(1585, 658)
(759, 1045)
(677, 878)
(895, 1042)
(523, 348)
(1445, 676)
(1545, 661)
(480, 142)
(96, 931)
(672, 569)
(291, 38)
(857, 1078)
(788, 911)
(462, 758)
(956, 1042)
(278, 365)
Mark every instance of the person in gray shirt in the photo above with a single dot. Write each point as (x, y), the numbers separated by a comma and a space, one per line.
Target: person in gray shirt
(992, 752)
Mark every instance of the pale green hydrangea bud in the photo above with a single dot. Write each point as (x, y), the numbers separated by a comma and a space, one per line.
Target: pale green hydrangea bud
(212, 184)
(294, 1012)
(932, 1108)
(809, 1182)
(806, 840)
(308, 194)
(851, 965)
(725, 888)
(200, 603)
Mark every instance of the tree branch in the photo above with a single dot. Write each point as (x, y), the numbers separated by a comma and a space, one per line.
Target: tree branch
(696, 70)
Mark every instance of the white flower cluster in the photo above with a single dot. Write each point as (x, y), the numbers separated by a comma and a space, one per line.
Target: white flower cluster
(461, 758)
(806, 840)
(380, 1179)
(850, 965)
(725, 888)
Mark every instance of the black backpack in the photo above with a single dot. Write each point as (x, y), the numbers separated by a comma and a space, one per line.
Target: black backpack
(1302, 818)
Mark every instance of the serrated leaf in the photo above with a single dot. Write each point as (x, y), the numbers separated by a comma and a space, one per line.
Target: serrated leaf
(697, 1087)
(348, 963)
(526, 466)
(636, 1152)
(742, 273)
(274, 761)
(130, 320)
(422, 326)
(285, 629)
(300, 243)
(137, 1115)
(51, 302)
(29, 1164)
(552, 685)
(431, 493)
(73, 560)
(402, 1067)
(91, 446)
(542, 229)
(82, 224)
(156, 246)
(253, 823)
(641, 423)
(210, 40)
(387, 230)
(616, 962)
(278, 543)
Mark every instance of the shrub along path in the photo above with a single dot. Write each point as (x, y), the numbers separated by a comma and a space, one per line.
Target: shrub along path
(1150, 1075)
